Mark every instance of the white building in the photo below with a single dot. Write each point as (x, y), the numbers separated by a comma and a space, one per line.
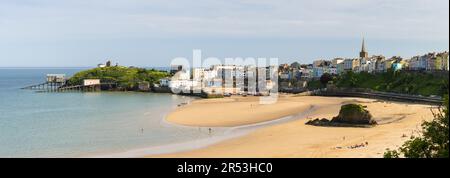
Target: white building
(336, 61)
(56, 78)
(89, 82)
(367, 65)
(182, 75)
(210, 74)
(351, 64)
(164, 82)
(332, 70)
(307, 73)
(183, 85)
(319, 71)
(198, 74)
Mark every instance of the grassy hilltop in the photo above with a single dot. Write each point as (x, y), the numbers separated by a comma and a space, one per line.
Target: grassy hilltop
(127, 78)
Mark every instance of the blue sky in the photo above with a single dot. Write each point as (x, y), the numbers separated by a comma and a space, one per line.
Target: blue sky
(72, 33)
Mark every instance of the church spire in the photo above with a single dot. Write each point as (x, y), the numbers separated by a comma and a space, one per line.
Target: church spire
(363, 53)
(363, 49)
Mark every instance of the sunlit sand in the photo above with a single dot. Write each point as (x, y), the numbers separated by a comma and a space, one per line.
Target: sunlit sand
(397, 122)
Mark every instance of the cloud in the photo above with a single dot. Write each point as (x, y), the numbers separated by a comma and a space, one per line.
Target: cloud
(386, 19)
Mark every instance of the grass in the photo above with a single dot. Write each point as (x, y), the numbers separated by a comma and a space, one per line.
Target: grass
(125, 78)
(397, 82)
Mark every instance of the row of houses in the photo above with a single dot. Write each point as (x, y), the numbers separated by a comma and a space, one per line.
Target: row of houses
(430, 62)
(364, 63)
(374, 64)
(250, 79)
(231, 79)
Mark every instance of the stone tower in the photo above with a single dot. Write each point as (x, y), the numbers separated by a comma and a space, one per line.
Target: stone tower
(363, 53)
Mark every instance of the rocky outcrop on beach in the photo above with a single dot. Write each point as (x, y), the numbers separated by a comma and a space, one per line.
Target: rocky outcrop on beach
(354, 114)
(349, 115)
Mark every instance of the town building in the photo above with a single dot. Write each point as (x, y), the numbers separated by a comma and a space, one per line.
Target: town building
(176, 68)
(184, 86)
(322, 63)
(318, 72)
(336, 61)
(378, 63)
(414, 63)
(332, 71)
(89, 82)
(306, 74)
(56, 78)
(198, 73)
(387, 64)
(366, 65)
(437, 62)
(445, 63)
(164, 82)
(107, 64)
(351, 64)
(144, 86)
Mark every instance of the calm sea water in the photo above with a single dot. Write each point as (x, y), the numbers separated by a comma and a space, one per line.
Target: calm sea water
(81, 124)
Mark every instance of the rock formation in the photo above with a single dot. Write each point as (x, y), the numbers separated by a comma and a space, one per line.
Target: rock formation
(349, 115)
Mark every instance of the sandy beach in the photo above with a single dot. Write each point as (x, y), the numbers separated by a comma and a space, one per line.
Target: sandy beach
(234, 111)
(294, 139)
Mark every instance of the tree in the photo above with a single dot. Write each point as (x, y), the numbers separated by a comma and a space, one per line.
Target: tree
(325, 78)
(433, 141)
(125, 78)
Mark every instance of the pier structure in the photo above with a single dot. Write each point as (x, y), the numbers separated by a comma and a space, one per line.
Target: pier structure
(52, 83)
(89, 85)
(58, 83)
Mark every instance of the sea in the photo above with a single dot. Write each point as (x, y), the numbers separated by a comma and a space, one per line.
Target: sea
(49, 124)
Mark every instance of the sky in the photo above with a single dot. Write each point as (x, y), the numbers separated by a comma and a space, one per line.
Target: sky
(150, 33)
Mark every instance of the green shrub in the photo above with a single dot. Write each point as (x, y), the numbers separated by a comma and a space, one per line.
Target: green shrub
(352, 108)
(399, 82)
(433, 141)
